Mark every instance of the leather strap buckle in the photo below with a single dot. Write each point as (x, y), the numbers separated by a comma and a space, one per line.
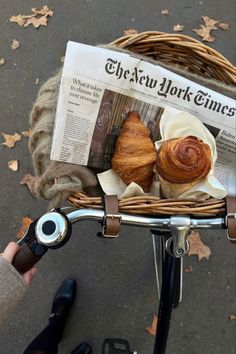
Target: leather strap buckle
(113, 217)
(112, 220)
(230, 216)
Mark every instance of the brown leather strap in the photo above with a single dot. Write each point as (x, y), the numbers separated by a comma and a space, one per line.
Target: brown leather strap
(231, 218)
(111, 222)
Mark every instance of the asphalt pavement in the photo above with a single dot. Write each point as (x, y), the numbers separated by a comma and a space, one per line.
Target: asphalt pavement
(116, 281)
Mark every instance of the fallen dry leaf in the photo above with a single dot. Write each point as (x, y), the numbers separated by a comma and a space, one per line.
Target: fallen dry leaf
(15, 44)
(188, 269)
(210, 22)
(10, 140)
(205, 31)
(43, 11)
(232, 317)
(2, 61)
(13, 165)
(27, 133)
(130, 32)
(165, 12)
(153, 328)
(178, 28)
(197, 247)
(25, 222)
(36, 81)
(29, 180)
(36, 19)
(224, 26)
(36, 22)
(19, 19)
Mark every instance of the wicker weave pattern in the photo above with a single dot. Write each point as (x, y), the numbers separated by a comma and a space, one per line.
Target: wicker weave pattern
(182, 50)
(147, 205)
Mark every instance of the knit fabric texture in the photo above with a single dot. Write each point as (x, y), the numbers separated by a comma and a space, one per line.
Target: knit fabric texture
(55, 181)
(12, 289)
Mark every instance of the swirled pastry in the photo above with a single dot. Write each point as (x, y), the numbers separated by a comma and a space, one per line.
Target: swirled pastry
(135, 153)
(184, 160)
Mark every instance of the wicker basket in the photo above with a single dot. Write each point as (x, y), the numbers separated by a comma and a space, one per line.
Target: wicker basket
(194, 57)
(180, 50)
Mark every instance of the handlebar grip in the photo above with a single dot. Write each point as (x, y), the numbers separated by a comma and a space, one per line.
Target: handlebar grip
(25, 259)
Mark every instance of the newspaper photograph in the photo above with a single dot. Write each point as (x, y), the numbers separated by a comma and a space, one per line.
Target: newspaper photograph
(99, 87)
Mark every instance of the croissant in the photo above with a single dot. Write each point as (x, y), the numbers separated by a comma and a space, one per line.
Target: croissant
(135, 154)
(182, 163)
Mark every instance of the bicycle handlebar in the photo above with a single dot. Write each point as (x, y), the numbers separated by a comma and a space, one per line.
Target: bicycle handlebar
(53, 229)
(25, 259)
(157, 223)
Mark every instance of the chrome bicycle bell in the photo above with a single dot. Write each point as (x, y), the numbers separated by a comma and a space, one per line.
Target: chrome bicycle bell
(53, 229)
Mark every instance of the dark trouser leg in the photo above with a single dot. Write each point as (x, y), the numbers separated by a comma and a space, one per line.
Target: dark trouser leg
(47, 341)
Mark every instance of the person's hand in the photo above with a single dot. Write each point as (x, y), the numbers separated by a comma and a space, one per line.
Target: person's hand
(10, 252)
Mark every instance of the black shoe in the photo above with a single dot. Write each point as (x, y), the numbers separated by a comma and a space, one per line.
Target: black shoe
(83, 348)
(64, 299)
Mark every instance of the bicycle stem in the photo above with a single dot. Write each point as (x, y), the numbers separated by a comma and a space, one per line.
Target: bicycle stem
(179, 229)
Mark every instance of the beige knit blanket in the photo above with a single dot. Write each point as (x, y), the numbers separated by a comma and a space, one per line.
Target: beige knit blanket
(55, 181)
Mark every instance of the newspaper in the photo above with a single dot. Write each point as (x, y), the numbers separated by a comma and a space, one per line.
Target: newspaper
(100, 86)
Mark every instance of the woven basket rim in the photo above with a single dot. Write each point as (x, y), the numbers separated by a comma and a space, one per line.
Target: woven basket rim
(150, 205)
(200, 51)
(165, 36)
